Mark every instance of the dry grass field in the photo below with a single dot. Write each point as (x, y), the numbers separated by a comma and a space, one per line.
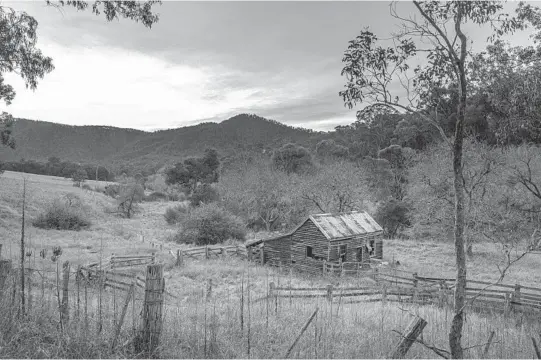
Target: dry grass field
(196, 327)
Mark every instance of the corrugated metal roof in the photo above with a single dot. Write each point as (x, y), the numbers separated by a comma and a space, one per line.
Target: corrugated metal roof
(344, 225)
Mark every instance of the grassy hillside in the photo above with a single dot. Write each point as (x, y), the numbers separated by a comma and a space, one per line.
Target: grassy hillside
(38, 140)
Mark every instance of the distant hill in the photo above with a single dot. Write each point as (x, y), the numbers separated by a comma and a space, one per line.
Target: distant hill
(123, 148)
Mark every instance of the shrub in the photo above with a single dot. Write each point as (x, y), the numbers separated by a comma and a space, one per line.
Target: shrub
(86, 187)
(155, 196)
(210, 224)
(176, 196)
(175, 213)
(63, 214)
(392, 216)
(204, 194)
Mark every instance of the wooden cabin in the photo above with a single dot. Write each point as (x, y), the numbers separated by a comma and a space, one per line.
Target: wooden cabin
(352, 237)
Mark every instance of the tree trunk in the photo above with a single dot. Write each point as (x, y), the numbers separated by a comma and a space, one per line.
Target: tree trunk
(455, 333)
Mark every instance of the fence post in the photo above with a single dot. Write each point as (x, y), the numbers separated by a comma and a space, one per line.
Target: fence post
(0, 251)
(272, 293)
(384, 294)
(180, 260)
(209, 288)
(78, 277)
(414, 329)
(112, 261)
(29, 283)
(415, 288)
(249, 252)
(206, 252)
(441, 294)
(153, 257)
(507, 304)
(329, 293)
(65, 295)
(515, 298)
(375, 273)
(262, 255)
(324, 267)
(152, 310)
(5, 268)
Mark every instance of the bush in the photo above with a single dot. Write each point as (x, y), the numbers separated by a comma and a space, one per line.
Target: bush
(155, 196)
(86, 187)
(210, 224)
(176, 196)
(63, 214)
(175, 213)
(112, 190)
(392, 216)
(204, 194)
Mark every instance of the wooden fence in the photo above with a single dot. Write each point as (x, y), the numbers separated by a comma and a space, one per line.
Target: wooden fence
(106, 274)
(424, 290)
(208, 252)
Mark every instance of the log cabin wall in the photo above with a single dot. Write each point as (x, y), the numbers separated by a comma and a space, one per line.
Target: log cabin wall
(308, 235)
(278, 250)
(351, 251)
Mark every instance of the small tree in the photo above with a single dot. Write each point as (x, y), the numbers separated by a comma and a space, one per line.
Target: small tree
(393, 215)
(79, 177)
(130, 196)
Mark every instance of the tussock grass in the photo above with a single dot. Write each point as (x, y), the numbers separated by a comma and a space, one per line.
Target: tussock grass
(197, 326)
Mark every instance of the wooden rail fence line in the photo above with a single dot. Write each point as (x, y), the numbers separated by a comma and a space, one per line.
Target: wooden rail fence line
(421, 290)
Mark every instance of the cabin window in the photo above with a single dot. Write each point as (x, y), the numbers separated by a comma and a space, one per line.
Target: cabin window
(342, 252)
(309, 252)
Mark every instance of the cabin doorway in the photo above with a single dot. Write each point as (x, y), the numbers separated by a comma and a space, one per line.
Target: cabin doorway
(343, 252)
(360, 251)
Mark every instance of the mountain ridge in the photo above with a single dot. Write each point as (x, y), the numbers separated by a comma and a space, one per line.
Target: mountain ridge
(119, 147)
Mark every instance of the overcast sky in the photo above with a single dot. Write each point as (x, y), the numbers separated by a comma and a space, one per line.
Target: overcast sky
(203, 61)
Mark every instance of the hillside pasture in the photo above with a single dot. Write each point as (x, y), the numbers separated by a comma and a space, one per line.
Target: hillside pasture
(198, 327)
(108, 233)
